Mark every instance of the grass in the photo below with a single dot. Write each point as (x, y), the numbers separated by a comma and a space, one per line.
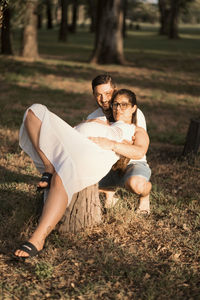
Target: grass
(126, 257)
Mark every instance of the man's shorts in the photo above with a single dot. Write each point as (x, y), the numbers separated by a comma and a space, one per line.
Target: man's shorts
(114, 179)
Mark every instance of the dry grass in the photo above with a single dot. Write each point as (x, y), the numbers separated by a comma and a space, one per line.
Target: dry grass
(127, 256)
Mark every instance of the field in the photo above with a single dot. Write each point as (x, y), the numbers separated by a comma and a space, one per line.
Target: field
(127, 256)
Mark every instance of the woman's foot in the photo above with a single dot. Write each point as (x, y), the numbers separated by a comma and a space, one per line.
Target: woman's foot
(45, 180)
(29, 249)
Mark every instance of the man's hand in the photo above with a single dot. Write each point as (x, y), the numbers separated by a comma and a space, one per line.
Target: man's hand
(104, 143)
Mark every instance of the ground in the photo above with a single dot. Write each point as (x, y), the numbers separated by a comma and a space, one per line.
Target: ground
(127, 256)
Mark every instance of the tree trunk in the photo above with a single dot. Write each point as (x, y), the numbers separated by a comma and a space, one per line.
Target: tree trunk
(6, 47)
(164, 9)
(39, 15)
(92, 13)
(49, 14)
(74, 16)
(83, 211)
(29, 42)
(192, 143)
(125, 7)
(173, 23)
(63, 32)
(39, 20)
(109, 39)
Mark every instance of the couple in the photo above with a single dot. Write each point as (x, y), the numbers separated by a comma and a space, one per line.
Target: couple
(74, 158)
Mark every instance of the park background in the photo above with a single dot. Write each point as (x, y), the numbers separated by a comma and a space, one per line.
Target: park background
(127, 256)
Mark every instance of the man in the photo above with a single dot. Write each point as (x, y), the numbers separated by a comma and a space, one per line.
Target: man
(137, 174)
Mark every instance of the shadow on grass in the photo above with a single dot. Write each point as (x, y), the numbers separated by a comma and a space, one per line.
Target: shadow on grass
(100, 267)
(19, 206)
(79, 73)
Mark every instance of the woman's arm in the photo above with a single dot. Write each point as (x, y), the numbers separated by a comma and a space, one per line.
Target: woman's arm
(98, 120)
(132, 151)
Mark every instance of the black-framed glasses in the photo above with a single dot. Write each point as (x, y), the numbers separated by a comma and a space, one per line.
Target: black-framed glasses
(123, 106)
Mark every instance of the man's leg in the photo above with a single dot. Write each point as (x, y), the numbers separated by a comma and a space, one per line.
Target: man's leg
(107, 185)
(110, 199)
(140, 186)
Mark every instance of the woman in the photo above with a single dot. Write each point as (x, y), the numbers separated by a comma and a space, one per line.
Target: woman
(68, 156)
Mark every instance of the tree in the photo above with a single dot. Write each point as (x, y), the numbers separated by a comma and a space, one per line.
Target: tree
(192, 143)
(63, 32)
(164, 9)
(74, 16)
(92, 9)
(169, 16)
(83, 211)
(39, 15)
(29, 39)
(125, 7)
(109, 38)
(6, 47)
(49, 14)
(173, 20)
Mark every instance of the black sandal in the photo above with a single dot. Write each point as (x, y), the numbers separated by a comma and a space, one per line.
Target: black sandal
(29, 248)
(46, 177)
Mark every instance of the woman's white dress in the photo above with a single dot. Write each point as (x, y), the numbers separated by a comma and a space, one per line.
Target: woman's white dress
(78, 161)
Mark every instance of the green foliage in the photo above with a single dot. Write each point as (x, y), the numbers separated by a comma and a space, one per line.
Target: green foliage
(43, 270)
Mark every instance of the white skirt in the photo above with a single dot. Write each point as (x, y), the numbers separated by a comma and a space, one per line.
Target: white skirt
(78, 161)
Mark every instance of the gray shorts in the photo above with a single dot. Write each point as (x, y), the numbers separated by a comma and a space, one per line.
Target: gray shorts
(114, 179)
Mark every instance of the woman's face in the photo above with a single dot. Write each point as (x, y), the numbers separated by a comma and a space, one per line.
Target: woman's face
(123, 109)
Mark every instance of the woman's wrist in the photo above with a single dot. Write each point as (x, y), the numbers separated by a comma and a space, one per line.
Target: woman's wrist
(114, 146)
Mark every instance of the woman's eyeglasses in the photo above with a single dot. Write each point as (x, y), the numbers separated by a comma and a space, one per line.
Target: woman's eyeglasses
(123, 106)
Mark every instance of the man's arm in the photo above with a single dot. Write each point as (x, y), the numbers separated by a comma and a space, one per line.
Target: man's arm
(132, 151)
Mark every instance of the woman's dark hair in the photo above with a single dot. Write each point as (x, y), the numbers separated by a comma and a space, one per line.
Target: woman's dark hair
(132, 99)
(103, 79)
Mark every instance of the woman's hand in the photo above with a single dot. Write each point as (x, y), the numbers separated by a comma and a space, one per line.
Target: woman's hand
(107, 144)
(104, 122)
(104, 143)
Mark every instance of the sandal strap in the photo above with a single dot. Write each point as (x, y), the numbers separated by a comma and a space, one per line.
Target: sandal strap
(29, 248)
(46, 177)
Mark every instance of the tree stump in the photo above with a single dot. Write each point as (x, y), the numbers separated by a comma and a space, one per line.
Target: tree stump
(193, 138)
(83, 211)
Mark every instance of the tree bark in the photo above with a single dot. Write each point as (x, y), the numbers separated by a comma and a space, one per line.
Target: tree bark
(49, 14)
(109, 38)
(6, 47)
(164, 9)
(39, 15)
(63, 32)
(92, 13)
(192, 143)
(83, 211)
(74, 16)
(173, 22)
(29, 42)
(125, 7)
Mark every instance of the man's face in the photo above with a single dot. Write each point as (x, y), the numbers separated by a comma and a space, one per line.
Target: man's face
(103, 94)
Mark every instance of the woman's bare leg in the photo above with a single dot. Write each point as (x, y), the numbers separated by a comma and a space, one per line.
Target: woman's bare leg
(54, 208)
(33, 125)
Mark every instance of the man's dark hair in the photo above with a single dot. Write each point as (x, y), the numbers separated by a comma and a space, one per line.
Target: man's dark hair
(103, 79)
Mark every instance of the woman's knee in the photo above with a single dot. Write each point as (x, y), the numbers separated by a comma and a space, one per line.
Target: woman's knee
(35, 112)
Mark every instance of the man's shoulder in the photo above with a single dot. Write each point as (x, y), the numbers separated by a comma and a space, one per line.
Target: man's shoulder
(141, 122)
(140, 113)
(96, 114)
